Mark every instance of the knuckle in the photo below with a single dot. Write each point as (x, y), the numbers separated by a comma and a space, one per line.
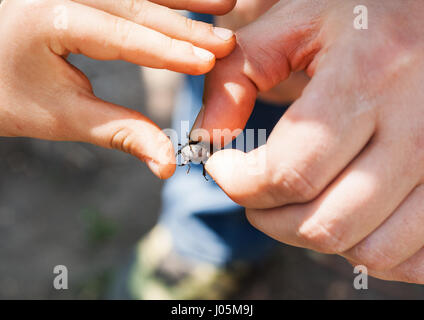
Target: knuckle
(387, 61)
(198, 29)
(322, 238)
(266, 67)
(291, 183)
(172, 46)
(138, 9)
(133, 6)
(209, 27)
(402, 60)
(175, 57)
(179, 47)
(121, 140)
(373, 258)
(189, 24)
(123, 31)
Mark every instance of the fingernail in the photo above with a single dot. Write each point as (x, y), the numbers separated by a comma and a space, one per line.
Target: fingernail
(224, 34)
(154, 167)
(199, 120)
(203, 54)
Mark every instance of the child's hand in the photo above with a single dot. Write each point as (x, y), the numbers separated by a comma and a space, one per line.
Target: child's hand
(43, 96)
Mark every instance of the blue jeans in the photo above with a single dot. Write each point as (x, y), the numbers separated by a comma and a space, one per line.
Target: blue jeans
(205, 224)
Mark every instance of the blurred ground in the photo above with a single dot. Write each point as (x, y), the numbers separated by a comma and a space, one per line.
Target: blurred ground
(84, 207)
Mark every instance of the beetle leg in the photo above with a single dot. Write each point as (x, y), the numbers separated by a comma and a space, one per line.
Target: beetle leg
(184, 163)
(204, 171)
(188, 168)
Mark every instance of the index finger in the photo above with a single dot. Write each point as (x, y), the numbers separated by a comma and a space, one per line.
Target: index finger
(100, 35)
(169, 22)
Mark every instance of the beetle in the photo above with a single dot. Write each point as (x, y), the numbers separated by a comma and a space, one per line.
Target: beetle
(194, 152)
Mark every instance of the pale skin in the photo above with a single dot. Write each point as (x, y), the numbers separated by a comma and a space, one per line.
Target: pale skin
(245, 12)
(43, 96)
(345, 165)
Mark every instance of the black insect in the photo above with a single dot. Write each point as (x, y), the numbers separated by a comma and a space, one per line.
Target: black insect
(194, 152)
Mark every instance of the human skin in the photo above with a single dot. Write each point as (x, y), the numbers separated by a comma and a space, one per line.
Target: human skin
(345, 165)
(245, 12)
(43, 96)
(162, 85)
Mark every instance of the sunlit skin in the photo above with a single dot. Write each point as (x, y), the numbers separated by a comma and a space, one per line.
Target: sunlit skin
(43, 96)
(245, 12)
(345, 164)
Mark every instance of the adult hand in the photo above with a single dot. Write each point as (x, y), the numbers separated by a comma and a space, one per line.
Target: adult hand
(245, 12)
(43, 96)
(344, 166)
